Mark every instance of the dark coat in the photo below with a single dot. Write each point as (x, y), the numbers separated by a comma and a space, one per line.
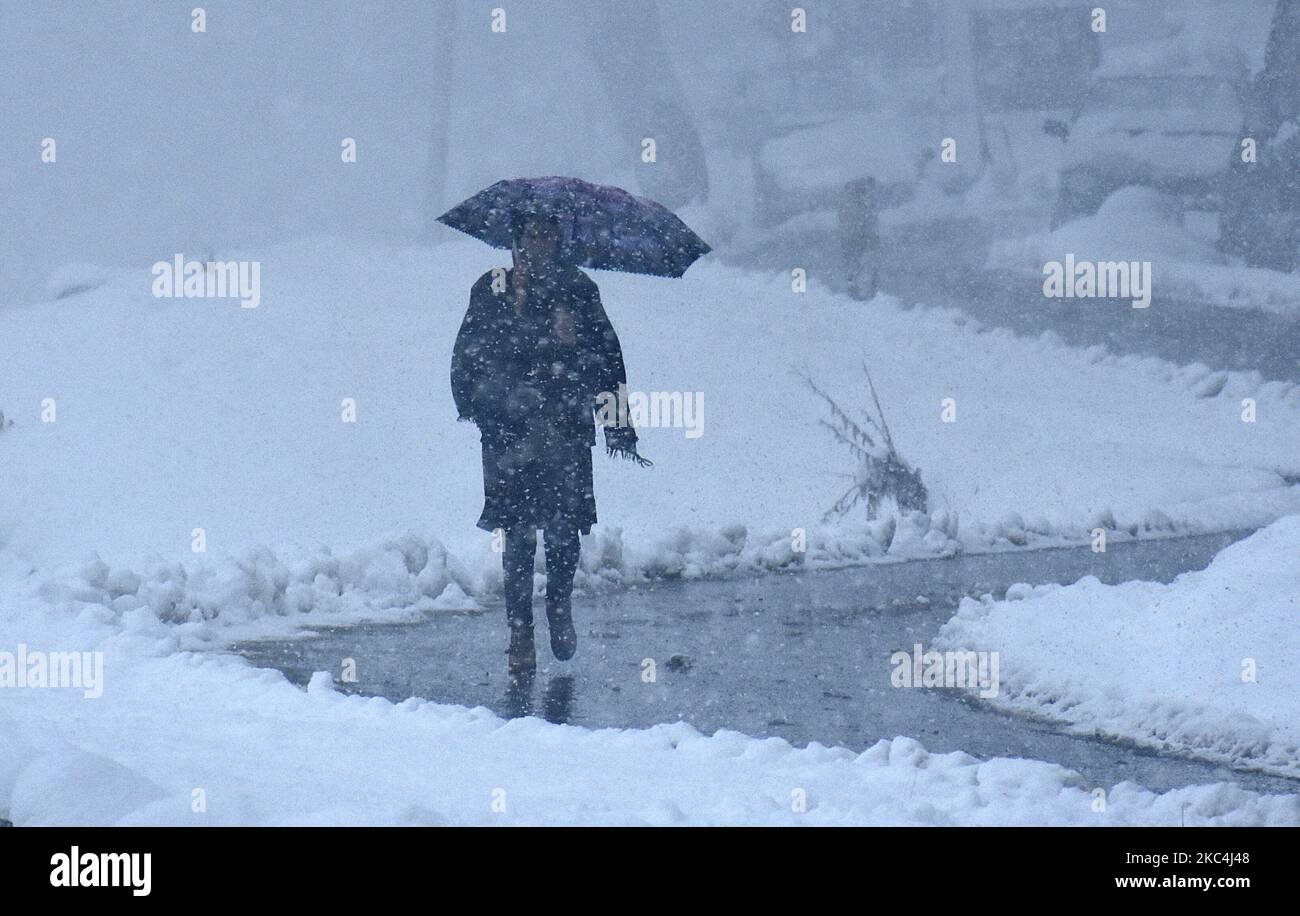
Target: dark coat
(530, 383)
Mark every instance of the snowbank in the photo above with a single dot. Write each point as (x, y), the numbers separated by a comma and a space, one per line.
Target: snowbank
(195, 423)
(76, 277)
(1204, 665)
(1137, 224)
(186, 738)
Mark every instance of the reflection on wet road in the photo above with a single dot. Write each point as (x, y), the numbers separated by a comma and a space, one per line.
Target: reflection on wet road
(801, 656)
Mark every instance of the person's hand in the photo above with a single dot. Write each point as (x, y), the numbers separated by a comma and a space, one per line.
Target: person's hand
(620, 442)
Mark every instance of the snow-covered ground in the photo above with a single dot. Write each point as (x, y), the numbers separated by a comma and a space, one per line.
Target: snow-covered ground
(177, 415)
(184, 414)
(1137, 224)
(175, 732)
(1204, 665)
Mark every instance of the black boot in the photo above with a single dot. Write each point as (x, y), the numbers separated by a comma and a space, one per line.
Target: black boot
(521, 657)
(564, 638)
(562, 548)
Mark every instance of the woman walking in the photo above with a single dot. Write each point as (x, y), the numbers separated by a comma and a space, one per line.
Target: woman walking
(534, 353)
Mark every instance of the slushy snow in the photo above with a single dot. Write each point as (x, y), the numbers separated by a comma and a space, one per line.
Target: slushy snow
(1203, 666)
(175, 731)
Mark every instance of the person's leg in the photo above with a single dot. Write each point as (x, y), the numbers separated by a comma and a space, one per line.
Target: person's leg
(517, 572)
(562, 550)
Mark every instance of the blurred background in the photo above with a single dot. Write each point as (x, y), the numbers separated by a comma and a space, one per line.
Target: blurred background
(168, 140)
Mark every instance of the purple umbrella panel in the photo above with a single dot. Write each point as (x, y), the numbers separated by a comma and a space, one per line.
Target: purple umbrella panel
(605, 228)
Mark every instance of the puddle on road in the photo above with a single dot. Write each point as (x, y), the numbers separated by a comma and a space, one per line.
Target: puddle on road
(802, 655)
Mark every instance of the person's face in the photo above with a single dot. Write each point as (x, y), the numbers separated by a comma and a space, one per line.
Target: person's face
(539, 242)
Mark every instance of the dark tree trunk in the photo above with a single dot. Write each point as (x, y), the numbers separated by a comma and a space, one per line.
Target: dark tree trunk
(443, 68)
(637, 74)
(1260, 221)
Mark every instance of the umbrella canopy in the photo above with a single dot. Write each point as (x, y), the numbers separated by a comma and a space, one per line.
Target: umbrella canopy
(605, 228)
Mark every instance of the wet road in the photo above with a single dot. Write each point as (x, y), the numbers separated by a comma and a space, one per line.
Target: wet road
(802, 656)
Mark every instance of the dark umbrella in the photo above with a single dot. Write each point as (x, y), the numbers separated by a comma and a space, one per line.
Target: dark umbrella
(605, 228)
